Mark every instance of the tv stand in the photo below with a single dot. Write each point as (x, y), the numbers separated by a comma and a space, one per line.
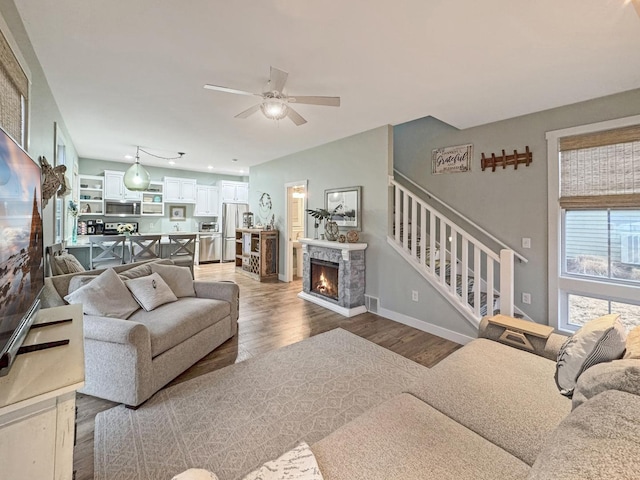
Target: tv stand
(37, 399)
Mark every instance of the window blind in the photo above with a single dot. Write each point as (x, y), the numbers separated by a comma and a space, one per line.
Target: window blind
(601, 170)
(14, 93)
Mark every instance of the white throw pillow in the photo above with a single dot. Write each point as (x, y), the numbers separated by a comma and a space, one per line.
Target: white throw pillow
(106, 296)
(600, 340)
(150, 291)
(80, 281)
(296, 464)
(178, 278)
(196, 474)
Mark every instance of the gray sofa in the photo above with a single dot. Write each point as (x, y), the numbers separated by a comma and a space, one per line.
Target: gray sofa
(127, 361)
(492, 411)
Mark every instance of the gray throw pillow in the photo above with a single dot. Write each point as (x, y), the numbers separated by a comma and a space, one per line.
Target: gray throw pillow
(105, 296)
(67, 263)
(150, 291)
(179, 279)
(599, 340)
(135, 272)
(80, 281)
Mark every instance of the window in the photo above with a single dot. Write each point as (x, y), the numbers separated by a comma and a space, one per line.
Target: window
(594, 223)
(14, 94)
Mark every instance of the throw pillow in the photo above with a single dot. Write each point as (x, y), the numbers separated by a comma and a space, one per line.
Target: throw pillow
(67, 263)
(600, 340)
(80, 281)
(135, 272)
(179, 279)
(106, 296)
(196, 474)
(299, 463)
(633, 344)
(622, 375)
(150, 291)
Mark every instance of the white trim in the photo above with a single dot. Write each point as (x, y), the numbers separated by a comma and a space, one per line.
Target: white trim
(287, 276)
(334, 245)
(346, 312)
(424, 326)
(557, 307)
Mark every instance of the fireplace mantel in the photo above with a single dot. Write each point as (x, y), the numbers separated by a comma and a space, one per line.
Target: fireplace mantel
(350, 260)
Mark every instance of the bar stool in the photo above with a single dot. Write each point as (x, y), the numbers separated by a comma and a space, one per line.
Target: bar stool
(106, 250)
(144, 247)
(182, 249)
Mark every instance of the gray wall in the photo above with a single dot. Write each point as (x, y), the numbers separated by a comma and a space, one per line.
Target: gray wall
(510, 204)
(43, 111)
(362, 159)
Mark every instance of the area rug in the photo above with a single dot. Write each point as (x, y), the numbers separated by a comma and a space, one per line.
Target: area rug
(232, 420)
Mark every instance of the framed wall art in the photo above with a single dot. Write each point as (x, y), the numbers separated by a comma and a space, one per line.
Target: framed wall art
(177, 212)
(346, 202)
(451, 159)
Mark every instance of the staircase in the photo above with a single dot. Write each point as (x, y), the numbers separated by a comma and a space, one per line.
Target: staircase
(428, 240)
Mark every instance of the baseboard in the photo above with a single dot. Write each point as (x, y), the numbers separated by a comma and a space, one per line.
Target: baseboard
(424, 326)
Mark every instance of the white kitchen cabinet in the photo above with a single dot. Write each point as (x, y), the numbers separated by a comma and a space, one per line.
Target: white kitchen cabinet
(153, 200)
(234, 192)
(207, 204)
(90, 195)
(114, 188)
(179, 190)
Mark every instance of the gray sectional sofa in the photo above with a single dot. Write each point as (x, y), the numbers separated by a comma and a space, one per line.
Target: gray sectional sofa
(127, 361)
(492, 411)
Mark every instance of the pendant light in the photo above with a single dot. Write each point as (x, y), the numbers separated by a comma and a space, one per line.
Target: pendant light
(137, 178)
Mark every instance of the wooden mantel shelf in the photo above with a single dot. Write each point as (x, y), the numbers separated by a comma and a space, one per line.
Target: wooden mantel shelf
(336, 245)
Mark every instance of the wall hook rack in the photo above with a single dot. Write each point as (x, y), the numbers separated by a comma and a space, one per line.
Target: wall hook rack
(525, 157)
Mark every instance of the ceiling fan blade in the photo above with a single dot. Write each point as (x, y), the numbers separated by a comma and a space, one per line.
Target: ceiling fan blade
(277, 79)
(295, 117)
(249, 111)
(230, 90)
(327, 101)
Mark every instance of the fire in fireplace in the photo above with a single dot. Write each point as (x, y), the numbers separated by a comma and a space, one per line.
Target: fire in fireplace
(324, 278)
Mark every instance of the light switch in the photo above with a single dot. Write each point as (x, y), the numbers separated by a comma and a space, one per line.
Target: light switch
(526, 242)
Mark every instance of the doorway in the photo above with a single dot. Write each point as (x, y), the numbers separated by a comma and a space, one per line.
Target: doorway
(295, 228)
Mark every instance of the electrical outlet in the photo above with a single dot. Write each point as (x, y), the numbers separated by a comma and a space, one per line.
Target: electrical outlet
(526, 298)
(526, 242)
(414, 295)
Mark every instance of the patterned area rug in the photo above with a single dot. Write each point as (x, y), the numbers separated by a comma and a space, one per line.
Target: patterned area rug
(232, 420)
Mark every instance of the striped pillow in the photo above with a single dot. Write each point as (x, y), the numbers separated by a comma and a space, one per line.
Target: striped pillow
(600, 340)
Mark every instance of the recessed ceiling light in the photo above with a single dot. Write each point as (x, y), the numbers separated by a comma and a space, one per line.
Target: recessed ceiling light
(171, 162)
(241, 171)
(210, 167)
(129, 157)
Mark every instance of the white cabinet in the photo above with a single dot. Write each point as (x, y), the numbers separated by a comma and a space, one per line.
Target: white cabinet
(234, 192)
(179, 190)
(37, 401)
(90, 195)
(153, 200)
(114, 188)
(207, 203)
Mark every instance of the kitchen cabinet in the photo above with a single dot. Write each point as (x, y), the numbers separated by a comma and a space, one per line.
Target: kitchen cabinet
(207, 204)
(114, 188)
(153, 200)
(90, 195)
(179, 190)
(233, 192)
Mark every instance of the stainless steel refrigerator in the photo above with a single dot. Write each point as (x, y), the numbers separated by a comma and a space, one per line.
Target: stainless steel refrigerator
(231, 219)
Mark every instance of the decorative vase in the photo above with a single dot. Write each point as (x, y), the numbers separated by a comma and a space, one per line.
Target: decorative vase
(315, 232)
(331, 230)
(352, 236)
(74, 231)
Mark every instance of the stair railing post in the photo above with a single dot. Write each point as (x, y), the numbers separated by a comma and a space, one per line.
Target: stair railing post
(506, 282)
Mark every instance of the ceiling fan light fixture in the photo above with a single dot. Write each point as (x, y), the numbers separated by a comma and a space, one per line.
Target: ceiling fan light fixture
(274, 109)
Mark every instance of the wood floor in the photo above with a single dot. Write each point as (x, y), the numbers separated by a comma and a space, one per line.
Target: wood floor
(271, 317)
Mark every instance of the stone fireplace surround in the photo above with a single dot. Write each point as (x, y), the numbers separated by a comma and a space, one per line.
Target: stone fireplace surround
(351, 274)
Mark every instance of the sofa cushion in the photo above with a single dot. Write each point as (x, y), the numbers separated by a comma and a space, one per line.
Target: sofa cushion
(175, 322)
(150, 291)
(504, 394)
(599, 340)
(623, 375)
(599, 440)
(67, 263)
(106, 296)
(178, 278)
(632, 345)
(404, 438)
(79, 281)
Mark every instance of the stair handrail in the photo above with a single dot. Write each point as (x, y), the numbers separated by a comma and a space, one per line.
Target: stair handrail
(461, 215)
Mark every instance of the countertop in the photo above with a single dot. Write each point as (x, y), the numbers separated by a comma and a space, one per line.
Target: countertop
(83, 240)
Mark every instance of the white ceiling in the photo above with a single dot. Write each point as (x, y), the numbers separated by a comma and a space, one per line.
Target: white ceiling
(127, 73)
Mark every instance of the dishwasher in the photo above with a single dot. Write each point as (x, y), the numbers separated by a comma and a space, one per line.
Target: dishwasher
(210, 242)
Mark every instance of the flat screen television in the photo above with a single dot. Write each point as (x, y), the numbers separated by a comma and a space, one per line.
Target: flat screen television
(21, 247)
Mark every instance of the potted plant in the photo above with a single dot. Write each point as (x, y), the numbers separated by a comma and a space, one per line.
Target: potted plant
(320, 214)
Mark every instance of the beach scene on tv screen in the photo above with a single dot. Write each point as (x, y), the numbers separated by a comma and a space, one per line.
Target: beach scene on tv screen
(21, 244)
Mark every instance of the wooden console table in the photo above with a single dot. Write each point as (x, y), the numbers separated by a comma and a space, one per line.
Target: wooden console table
(257, 253)
(38, 398)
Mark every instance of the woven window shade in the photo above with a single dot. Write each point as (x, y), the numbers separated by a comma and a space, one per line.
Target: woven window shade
(14, 92)
(604, 176)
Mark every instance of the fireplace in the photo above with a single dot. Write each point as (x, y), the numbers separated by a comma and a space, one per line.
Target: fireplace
(324, 278)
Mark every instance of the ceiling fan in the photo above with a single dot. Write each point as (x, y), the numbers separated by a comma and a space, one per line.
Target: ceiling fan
(275, 104)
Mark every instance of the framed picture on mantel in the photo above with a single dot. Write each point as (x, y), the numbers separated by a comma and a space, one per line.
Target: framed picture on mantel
(346, 202)
(177, 212)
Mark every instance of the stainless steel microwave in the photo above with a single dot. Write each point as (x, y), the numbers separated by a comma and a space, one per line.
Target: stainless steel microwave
(115, 208)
